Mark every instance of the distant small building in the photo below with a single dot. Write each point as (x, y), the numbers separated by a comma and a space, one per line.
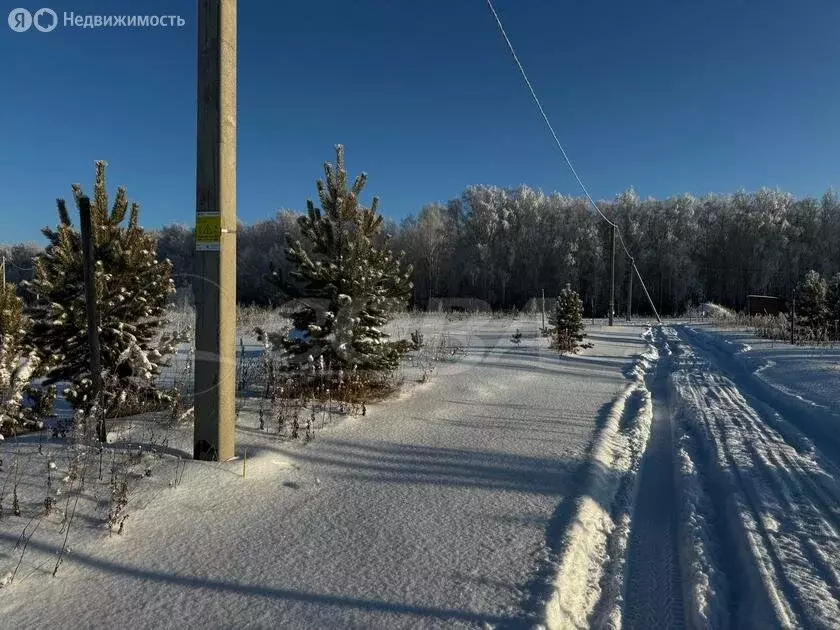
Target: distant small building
(464, 305)
(765, 305)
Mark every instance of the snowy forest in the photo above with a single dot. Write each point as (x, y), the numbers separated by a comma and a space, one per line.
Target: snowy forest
(504, 246)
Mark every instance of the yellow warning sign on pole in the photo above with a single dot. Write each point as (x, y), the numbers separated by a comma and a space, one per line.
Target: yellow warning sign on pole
(208, 231)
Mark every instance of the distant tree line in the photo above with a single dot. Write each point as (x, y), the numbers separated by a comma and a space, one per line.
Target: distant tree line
(506, 246)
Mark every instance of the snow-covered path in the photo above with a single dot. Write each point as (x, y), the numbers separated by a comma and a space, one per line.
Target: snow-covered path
(653, 592)
(759, 493)
(438, 509)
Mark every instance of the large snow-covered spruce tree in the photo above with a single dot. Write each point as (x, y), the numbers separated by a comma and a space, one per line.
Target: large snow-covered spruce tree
(23, 404)
(348, 285)
(16, 363)
(131, 287)
(567, 322)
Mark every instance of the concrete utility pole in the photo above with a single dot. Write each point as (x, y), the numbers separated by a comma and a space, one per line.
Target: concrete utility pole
(543, 311)
(214, 284)
(89, 264)
(630, 290)
(612, 281)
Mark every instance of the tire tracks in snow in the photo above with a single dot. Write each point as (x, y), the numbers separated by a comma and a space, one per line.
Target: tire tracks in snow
(801, 422)
(653, 596)
(812, 515)
(778, 502)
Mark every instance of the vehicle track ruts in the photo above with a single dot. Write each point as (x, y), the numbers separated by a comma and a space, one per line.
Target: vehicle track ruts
(653, 590)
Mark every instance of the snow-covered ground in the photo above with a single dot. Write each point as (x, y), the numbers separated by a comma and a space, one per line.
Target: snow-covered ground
(671, 476)
(758, 484)
(811, 373)
(440, 508)
(731, 519)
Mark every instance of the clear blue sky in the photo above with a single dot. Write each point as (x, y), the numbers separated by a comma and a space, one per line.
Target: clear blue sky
(668, 96)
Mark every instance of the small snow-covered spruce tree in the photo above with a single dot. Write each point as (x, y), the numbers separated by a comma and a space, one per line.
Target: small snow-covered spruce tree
(833, 305)
(131, 287)
(348, 283)
(811, 302)
(567, 322)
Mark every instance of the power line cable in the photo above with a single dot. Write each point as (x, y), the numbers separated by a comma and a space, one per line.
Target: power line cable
(565, 155)
(545, 117)
(9, 261)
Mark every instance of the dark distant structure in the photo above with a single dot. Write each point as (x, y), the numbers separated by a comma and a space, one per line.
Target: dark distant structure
(458, 305)
(765, 305)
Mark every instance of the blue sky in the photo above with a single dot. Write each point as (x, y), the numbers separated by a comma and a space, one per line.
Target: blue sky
(667, 96)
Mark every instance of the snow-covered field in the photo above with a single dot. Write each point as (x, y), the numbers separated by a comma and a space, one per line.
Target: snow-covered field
(670, 476)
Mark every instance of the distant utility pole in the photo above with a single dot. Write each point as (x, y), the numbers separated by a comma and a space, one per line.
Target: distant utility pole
(793, 319)
(543, 311)
(612, 281)
(214, 284)
(630, 290)
(3, 265)
(89, 265)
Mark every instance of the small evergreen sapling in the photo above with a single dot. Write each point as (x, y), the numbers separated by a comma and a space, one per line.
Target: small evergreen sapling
(567, 322)
(348, 279)
(812, 302)
(416, 339)
(833, 304)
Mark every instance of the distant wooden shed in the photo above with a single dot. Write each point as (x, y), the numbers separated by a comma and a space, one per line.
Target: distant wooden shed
(765, 305)
(465, 305)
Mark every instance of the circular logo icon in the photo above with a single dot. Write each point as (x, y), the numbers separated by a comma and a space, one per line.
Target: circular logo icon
(20, 20)
(45, 20)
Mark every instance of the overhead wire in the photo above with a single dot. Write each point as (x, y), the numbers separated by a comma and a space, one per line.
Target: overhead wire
(9, 261)
(611, 223)
(545, 117)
